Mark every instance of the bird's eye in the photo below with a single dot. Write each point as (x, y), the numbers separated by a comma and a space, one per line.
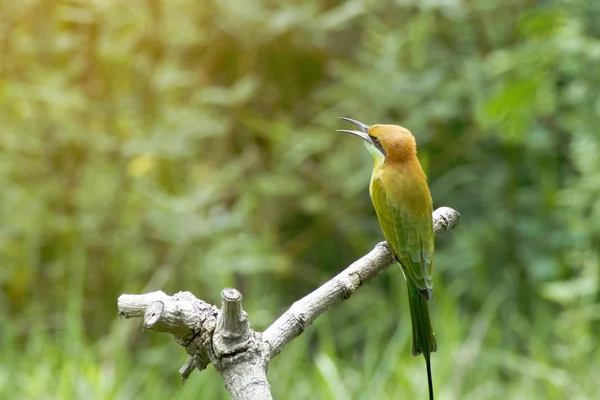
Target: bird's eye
(377, 143)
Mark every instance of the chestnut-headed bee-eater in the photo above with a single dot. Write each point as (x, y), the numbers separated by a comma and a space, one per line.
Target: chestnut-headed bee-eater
(403, 206)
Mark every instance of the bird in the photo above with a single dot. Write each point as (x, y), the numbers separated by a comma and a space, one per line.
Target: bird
(403, 205)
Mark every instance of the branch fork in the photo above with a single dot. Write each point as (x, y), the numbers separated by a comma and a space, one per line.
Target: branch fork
(224, 337)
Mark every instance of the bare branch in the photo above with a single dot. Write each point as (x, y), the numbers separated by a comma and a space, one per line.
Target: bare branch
(134, 305)
(233, 329)
(225, 338)
(445, 218)
(304, 311)
(187, 369)
(233, 321)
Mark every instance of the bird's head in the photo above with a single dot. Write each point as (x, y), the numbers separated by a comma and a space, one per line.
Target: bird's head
(391, 143)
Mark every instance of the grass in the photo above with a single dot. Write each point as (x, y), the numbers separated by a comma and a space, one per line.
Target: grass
(360, 353)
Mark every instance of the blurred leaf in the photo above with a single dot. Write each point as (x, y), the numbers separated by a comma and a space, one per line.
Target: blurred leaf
(191, 146)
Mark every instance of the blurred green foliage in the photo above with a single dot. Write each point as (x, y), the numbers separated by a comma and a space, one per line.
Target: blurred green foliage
(183, 145)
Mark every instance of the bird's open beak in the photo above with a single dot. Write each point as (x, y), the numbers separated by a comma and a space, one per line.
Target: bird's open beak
(362, 133)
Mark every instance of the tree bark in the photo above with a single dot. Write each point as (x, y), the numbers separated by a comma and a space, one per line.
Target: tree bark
(225, 338)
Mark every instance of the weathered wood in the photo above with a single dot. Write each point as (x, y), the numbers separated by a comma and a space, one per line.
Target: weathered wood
(225, 338)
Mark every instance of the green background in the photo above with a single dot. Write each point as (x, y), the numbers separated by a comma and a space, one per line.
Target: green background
(191, 145)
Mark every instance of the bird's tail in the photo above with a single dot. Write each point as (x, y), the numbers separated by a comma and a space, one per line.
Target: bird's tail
(423, 338)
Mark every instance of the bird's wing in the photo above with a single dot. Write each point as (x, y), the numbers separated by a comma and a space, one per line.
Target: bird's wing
(407, 226)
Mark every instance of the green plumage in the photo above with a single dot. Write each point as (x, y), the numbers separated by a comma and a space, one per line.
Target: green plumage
(403, 205)
(404, 208)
